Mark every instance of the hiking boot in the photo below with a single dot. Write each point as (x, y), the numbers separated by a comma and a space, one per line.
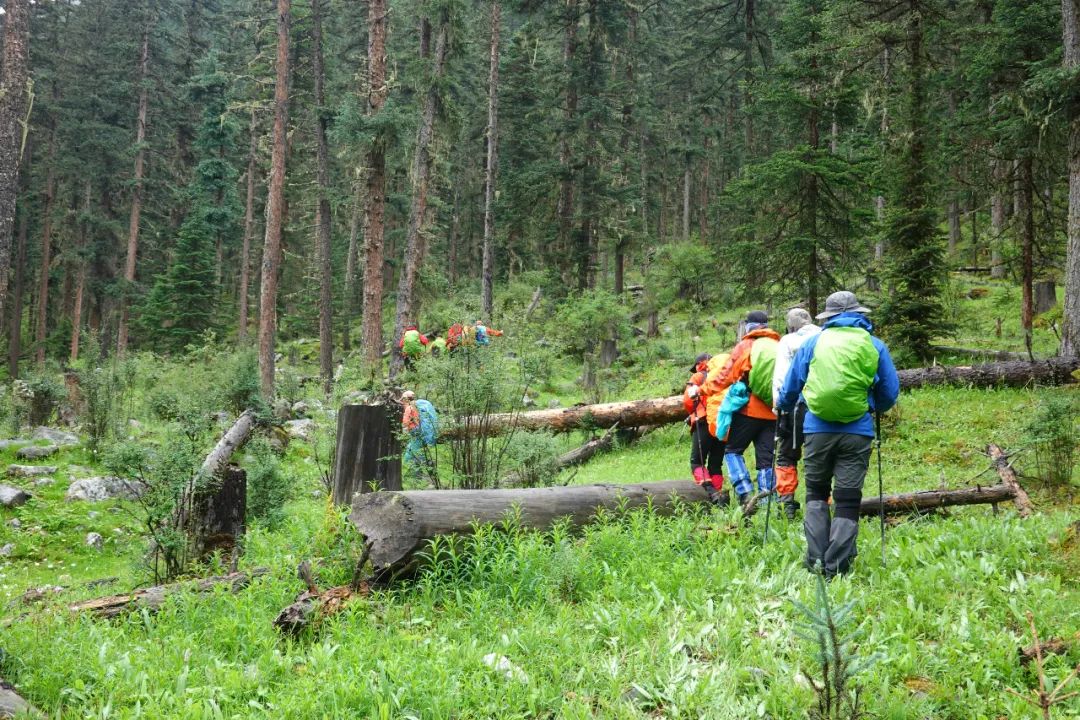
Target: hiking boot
(791, 506)
(744, 498)
(718, 498)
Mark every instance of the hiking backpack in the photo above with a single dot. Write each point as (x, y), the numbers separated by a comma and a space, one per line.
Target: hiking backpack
(842, 370)
(411, 344)
(762, 362)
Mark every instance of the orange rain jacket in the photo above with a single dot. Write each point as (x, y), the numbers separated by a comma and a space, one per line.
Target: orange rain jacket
(738, 368)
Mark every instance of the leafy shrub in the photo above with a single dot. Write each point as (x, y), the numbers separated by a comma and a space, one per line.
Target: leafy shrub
(240, 382)
(684, 271)
(1053, 433)
(532, 457)
(268, 488)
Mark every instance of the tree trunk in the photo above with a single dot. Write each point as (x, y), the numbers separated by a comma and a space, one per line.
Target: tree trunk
(1026, 211)
(46, 251)
(421, 174)
(217, 520)
(275, 201)
(368, 450)
(376, 189)
(998, 217)
(153, 599)
(954, 224)
(249, 234)
(748, 79)
(399, 525)
(15, 328)
(1045, 296)
(1070, 340)
(565, 208)
(660, 411)
(488, 268)
(686, 200)
(352, 257)
(80, 279)
(136, 194)
(14, 100)
(326, 278)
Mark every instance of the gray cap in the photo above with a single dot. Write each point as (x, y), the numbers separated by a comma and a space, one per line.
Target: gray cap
(841, 301)
(797, 318)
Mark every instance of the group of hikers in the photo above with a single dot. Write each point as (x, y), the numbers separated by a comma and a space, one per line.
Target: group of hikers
(414, 344)
(816, 391)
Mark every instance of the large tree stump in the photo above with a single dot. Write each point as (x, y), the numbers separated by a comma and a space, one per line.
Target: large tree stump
(368, 449)
(219, 513)
(1045, 296)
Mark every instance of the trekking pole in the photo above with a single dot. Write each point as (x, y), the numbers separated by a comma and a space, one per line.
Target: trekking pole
(772, 490)
(880, 483)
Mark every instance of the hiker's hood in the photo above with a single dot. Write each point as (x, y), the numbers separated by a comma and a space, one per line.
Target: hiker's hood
(850, 319)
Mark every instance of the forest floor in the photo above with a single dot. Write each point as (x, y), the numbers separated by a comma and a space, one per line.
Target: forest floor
(637, 616)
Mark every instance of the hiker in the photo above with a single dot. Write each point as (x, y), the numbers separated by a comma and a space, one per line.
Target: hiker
(706, 452)
(412, 345)
(800, 326)
(484, 333)
(421, 424)
(437, 346)
(751, 364)
(842, 374)
(453, 336)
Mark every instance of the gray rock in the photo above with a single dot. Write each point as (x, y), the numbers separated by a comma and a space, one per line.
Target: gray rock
(12, 497)
(527, 401)
(554, 404)
(14, 523)
(7, 550)
(30, 470)
(134, 424)
(222, 418)
(94, 540)
(43, 482)
(301, 409)
(96, 489)
(300, 429)
(36, 452)
(74, 470)
(92, 514)
(17, 442)
(59, 437)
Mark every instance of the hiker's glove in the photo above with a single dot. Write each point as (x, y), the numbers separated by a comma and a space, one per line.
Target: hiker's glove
(693, 391)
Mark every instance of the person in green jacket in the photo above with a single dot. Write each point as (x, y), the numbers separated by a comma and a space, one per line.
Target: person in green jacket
(437, 346)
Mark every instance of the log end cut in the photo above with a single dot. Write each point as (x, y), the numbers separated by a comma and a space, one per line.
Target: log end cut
(385, 520)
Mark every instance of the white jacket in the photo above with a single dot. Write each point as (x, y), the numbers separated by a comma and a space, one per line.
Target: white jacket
(785, 353)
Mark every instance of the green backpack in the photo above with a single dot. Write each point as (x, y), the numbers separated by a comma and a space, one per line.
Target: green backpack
(412, 345)
(762, 362)
(841, 372)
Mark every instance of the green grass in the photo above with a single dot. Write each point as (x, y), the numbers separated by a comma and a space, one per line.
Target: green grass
(637, 616)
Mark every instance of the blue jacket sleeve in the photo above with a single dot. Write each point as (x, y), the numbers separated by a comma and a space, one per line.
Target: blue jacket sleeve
(887, 386)
(796, 376)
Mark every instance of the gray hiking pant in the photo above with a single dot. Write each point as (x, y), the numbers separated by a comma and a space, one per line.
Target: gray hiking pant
(830, 539)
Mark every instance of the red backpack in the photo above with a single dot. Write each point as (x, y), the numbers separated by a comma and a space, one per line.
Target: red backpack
(453, 336)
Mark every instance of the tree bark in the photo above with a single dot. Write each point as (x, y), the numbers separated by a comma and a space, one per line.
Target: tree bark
(1045, 296)
(275, 201)
(1070, 340)
(421, 173)
(368, 450)
(249, 234)
(488, 267)
(1008, 479)
(153, 598)
(326, 298)
(46, 251)
(14, 101)
(660, 411)
(954, 224)
(15, 328)
(80, 280)
(136, 194)
(565, 208)
(1026, 211)
(399, 525)
(352, 257)
(218, 515)
(686, 200)
(998, 218)
(376, 189)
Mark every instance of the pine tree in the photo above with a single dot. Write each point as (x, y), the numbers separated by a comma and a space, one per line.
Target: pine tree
(181, 305)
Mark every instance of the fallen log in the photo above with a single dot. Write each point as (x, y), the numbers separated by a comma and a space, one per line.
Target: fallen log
(1053, 646)
(398, 525)
(1008, 478)
(667, 410)
(13, 705)
(152, 598)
